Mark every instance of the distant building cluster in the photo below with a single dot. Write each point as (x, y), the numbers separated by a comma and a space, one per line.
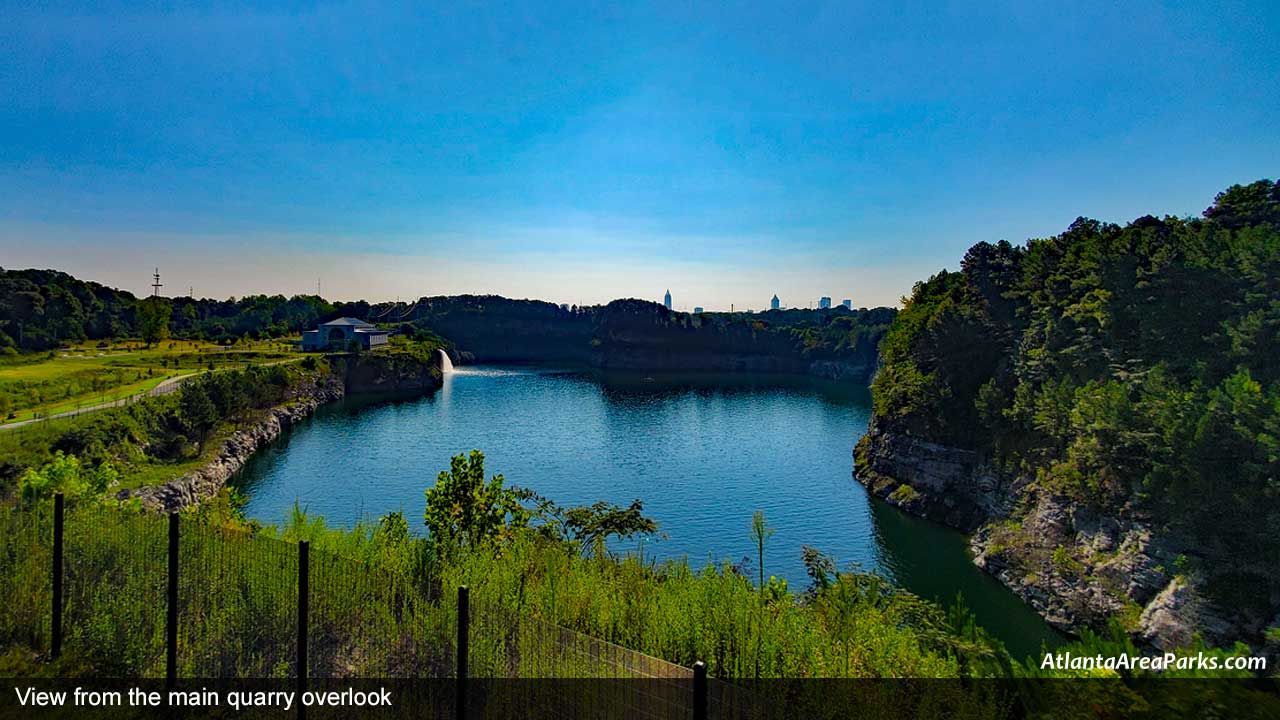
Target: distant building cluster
(775, 303)
(824, 303)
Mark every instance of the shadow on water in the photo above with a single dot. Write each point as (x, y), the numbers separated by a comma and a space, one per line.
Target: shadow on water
(631, 383)
(933, 561)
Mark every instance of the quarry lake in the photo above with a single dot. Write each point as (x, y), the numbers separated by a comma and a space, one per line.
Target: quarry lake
(702, 452)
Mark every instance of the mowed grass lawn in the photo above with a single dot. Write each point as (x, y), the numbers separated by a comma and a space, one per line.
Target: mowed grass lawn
(86, 375)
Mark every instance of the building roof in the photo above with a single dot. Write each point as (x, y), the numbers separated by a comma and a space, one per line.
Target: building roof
(347, 321)
(372, 331)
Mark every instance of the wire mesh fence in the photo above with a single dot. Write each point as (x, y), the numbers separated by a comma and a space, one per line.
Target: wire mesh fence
(141, 595)
(114, 580)
(509, 644)
(25, 583)
(44, 420)
(369, 621)
(591, 677)
(238, 603)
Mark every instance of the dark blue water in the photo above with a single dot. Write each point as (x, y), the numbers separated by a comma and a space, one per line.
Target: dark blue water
(702, 453)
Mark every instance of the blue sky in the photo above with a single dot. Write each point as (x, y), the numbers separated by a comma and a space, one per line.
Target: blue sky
(580, 152)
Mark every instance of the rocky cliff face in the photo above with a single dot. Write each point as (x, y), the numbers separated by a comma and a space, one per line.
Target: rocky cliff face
(387, 373)
(1077, 568)
(841, 371)
(207, 481)
(945, 484)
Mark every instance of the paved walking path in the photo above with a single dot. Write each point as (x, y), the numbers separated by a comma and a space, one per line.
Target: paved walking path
(164, 388)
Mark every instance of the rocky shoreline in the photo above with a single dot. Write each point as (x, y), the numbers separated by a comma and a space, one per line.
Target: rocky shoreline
(1076, 567)
(353, 375)
(207, 481)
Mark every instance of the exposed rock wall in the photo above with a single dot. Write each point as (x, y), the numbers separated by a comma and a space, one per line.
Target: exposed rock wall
(860, 372)
(945, 484)
(1076, 567)
(387, 373)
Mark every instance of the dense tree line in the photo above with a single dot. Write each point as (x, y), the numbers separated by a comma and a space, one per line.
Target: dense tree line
(626, 331)
(40, 309)
(1135, 367)
(43, 309)
(638, 331)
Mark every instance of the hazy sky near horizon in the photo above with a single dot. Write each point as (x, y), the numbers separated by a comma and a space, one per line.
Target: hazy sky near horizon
(581, 152)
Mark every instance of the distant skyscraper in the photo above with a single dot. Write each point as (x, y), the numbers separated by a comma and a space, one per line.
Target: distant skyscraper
(697, 310)
(848, 304)
(774, 304)
(824, 303)
(667, 300)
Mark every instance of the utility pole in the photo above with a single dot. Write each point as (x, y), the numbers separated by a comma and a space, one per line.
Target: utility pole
(155, 283)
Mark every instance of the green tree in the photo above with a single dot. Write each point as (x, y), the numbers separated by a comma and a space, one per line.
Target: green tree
(587, 525)
(197, 411)
(153, 319)
(66, 474)
(464, 509)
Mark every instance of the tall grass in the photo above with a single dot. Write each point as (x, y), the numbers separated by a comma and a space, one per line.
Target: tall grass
(383, 604)
(681, 614)
(26, 539)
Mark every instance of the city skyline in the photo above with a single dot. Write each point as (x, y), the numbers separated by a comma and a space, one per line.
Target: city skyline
(774, 303)
(580, 158)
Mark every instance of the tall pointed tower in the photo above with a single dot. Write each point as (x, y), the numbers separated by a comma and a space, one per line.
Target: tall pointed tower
(666, 300)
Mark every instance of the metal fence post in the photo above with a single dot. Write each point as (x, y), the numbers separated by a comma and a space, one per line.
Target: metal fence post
(56, 620)
(171, 619)
(304, 591)
(464, 625)
(699, 691)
